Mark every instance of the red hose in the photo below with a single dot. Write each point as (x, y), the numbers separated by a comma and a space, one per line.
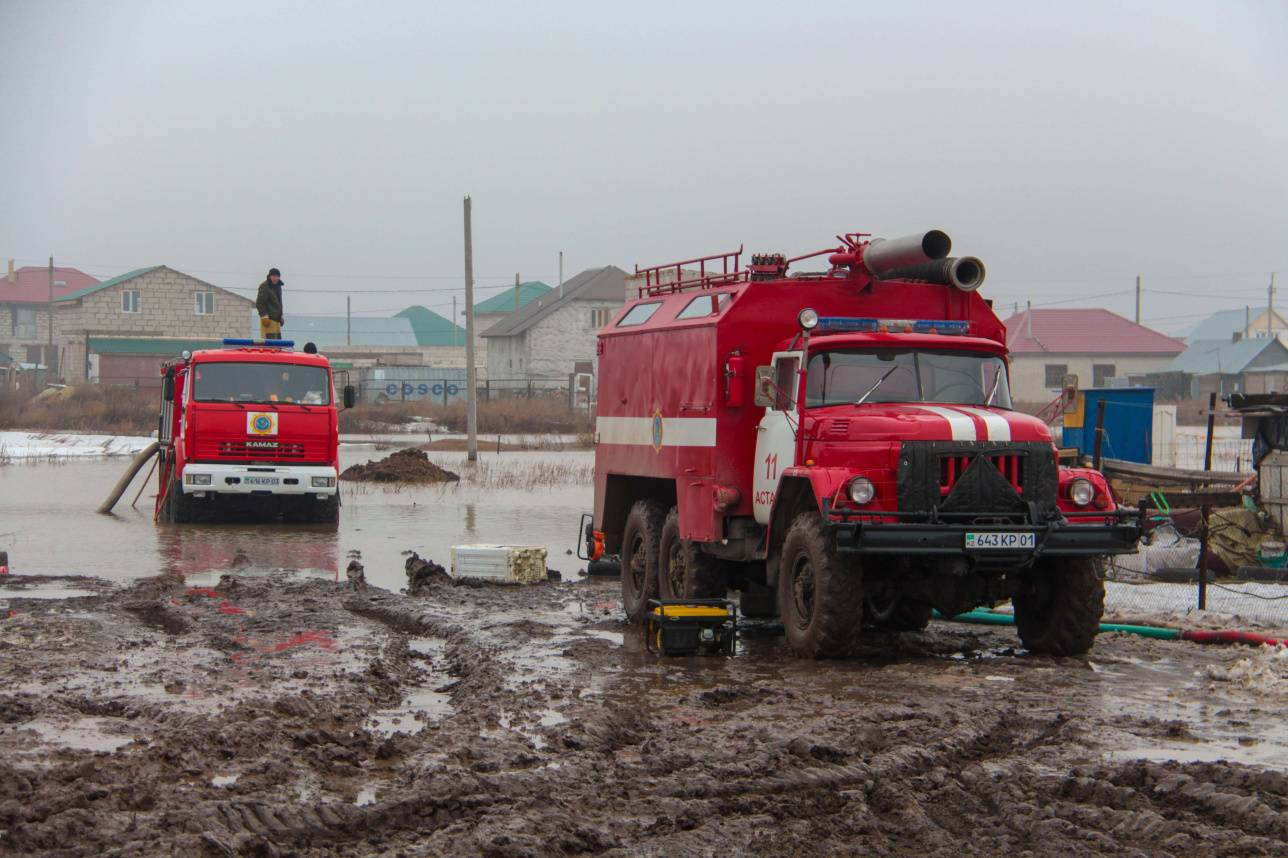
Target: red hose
(1228, 636)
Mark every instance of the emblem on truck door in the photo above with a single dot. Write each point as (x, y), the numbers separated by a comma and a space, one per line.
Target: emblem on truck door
(657, 431)
(261, 423)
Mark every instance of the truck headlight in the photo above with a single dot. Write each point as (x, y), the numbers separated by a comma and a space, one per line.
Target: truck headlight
(862, 491)
(323, 482)
(808, 318)
(197, 479)
(1082, 492)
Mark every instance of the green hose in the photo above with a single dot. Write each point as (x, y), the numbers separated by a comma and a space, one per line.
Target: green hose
(986, 617)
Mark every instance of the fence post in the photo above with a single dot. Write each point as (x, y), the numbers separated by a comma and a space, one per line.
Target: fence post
(1100, 433)
(1206, 509)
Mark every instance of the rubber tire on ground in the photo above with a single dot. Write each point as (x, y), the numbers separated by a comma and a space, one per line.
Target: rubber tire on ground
(757, 600)
(325, 511)
(901, 615)
(1058, 605)
(824, 622)
(684, 572)
(640, 554)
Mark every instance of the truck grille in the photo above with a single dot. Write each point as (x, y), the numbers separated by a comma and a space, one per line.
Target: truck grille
(239, 450)
(1009, 465)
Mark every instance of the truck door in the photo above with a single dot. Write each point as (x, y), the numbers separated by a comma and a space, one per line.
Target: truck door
(776, 433)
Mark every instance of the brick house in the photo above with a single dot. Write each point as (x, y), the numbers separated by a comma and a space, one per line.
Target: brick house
(25, 311)
(555, 334)
(157, 306)
(1093, 344)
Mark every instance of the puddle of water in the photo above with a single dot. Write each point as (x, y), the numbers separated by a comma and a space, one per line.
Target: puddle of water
(223, 780)
(45, 502)
(425, 705)
(366, 796)
(45, 592)
(83, 734)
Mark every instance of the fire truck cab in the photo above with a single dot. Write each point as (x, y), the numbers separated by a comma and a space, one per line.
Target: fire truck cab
(249, 429)
(840, 447)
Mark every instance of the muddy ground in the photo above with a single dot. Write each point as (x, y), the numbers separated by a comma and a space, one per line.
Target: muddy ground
(282, 715)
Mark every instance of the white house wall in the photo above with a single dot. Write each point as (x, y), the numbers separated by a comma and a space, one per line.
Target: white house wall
(1028, 372)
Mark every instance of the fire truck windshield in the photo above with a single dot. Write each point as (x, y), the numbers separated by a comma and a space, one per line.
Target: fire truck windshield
(849, 376)
(261, 383)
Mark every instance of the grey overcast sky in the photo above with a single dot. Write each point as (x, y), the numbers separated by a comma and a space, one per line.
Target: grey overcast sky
(1071, 146)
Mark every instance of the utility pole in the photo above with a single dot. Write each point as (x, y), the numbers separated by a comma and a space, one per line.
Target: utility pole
(49, 358)
(348, 320)
(1270, 310)
(516, 291)
(471, 395)
(455, 324)
(1138, 299)
(561, 274)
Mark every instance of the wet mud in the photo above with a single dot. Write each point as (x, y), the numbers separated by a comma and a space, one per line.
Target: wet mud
(285, 715)
(404, 466)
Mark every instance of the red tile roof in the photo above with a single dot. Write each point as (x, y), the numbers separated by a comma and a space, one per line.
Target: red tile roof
(32, 286)
(1084, 332)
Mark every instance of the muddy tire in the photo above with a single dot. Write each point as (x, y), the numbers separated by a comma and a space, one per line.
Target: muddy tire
(896, 614)
(684, 572)
(820, 596)
(325, 511)
(757, 600)
(177, 508)
(1058, 606)
(640, 554)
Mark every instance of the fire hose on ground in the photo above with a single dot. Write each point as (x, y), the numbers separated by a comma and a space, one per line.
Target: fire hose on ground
(1204, 636)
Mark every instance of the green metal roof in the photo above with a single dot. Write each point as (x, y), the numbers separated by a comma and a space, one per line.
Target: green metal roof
(148, 345)
(503, 302)
(106, 284)
(432, 329)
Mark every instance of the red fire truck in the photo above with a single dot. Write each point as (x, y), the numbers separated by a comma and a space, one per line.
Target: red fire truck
(249, 429)
(840, 447)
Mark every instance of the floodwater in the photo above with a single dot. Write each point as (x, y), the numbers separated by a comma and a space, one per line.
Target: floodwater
(49, 526)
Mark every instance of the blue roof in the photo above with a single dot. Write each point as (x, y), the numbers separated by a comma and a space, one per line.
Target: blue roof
(432, 329)
(1226, 357)
(1223, 325)
(333, 331)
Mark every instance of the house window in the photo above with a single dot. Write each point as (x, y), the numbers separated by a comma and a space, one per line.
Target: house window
(205, 303)
(24, 323)
(600, 316)
(1055, 373)
(1101, 373)
(130, 301)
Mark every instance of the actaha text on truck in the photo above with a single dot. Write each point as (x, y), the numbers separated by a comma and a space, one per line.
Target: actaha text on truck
(251, 430)
(840, 447)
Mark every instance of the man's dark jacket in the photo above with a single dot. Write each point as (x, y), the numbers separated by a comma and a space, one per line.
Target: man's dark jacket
(269, 301)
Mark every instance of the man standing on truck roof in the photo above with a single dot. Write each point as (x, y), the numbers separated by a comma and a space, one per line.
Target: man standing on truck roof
(269, 304)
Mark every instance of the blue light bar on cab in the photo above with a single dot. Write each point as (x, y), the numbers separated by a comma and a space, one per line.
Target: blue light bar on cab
(272, 344)
(860, 324)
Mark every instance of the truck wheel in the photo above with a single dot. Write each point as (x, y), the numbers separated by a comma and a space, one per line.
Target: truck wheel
(684, 571)
(819, 595)
(177, 508)
(896, 614)
(640, 554)
(325, 511)
(1058, 605)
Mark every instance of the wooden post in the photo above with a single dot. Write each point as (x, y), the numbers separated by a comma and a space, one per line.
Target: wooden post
(471, 392)
(1100, 433)
(1206, 510)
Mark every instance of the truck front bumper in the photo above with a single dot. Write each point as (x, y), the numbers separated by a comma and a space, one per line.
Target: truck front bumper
(259, 479)
(1057, 539)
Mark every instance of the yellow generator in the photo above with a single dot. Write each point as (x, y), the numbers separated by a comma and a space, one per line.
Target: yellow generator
(691, 627)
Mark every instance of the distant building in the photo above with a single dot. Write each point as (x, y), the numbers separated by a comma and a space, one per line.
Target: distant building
(1248, 323)
(25, 311)
(555, 334)
(158, 308)
(1094, 345)
(1256, 365)
(431, 329)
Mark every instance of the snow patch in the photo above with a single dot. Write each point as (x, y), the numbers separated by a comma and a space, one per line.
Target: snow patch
(45, 445)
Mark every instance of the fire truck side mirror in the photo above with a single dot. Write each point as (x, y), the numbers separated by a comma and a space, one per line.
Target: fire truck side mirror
(765, 386)
(350, 396)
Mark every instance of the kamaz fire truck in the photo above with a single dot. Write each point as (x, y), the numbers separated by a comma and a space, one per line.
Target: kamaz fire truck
(840, 447)
(249, 429)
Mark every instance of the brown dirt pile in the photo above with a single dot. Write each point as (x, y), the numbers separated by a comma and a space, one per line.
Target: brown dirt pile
(404, 466)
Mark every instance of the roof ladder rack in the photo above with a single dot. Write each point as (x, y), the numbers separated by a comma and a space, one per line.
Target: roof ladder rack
(706, 279)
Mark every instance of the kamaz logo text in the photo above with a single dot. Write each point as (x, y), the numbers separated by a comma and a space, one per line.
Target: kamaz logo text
(262, 444)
